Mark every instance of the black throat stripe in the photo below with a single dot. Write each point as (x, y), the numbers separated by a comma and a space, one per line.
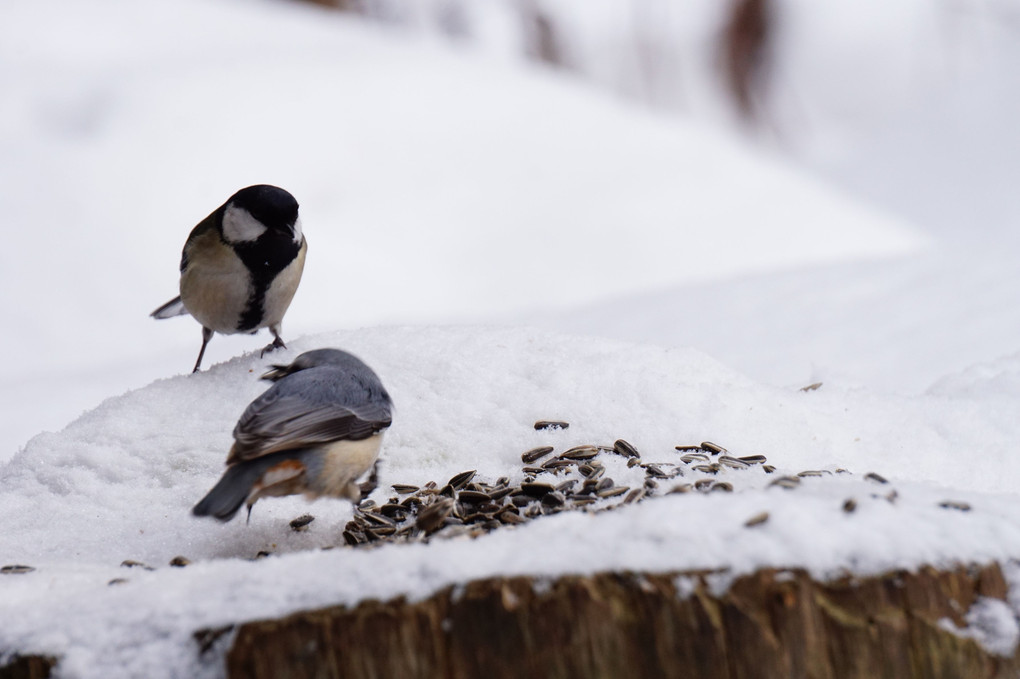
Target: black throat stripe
(264, 258)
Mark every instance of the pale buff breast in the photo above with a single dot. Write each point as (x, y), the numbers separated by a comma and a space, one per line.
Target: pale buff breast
(281, 290)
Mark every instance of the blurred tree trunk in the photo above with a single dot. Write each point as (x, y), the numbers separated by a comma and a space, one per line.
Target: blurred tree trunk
(778, 624)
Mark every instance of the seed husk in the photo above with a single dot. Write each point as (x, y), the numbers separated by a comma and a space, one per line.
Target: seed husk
(953, 504)
(633, 462)
(722, 486)
(180, 561)
(703, 484)
(435, 515)
(655, 472)
(536, 489)
(752, 459)
(404, 488)
(553, 499)
(458, 481)
(877, 478)
(713, 448)
(16, 569)
(733, 462)
(634, 495)
(580, 453)
(757, 519)
(707, 468)
(551, 424)
(768, 469)
(535, 454)
(812, 473)
(301, 523)
(130, 563)
(786, 482)
(811, 387)
(622, 447)
(472, 496)
(694, 457)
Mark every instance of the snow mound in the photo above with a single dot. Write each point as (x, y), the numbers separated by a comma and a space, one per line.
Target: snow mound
(119, 482)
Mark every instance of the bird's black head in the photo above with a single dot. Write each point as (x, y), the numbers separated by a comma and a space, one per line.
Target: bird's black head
(275, 208)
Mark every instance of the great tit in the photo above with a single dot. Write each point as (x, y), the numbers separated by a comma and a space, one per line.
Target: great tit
(315, 431)
(241, 266)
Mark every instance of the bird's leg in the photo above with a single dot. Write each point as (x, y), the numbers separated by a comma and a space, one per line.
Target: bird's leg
(206, 336)
(248, 520)
(277, 342)
(372, 482)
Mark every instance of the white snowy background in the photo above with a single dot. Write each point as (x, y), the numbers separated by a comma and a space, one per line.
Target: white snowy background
(503, 243)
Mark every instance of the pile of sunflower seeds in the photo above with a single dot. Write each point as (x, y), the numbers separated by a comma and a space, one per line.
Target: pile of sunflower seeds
(573, 480)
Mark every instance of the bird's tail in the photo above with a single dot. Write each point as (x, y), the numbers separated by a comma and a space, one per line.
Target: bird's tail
(174, 307)
(236, 484)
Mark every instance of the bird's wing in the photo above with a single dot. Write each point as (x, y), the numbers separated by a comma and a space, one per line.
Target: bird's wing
(275, 422)
(202, 228)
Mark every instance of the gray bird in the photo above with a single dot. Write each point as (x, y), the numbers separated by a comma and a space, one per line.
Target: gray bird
(315, 431)
(241, 266)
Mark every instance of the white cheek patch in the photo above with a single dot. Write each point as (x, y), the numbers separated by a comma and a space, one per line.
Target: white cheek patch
(239, 226)
(297, 230)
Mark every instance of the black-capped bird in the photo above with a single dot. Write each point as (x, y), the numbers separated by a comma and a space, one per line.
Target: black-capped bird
(315, 432)
(241, 266)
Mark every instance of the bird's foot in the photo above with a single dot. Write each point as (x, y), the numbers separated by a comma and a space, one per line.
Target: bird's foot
(277, 343)
(371, 483)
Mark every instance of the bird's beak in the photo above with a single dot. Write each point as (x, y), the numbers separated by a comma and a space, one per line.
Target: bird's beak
(277, 373)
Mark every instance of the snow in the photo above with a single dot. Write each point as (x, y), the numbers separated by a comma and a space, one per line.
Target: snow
(502, 245)
(449, 189)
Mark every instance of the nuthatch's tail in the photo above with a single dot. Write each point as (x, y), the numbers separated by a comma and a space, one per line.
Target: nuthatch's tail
(237, 483)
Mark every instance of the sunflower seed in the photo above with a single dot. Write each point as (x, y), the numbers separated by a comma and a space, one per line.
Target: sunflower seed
(500, 493)
(378, 519)
(953, 504)
(117, 581)
(768, 469)
(634, 495)
(458, 481)
(536, 489)
(580, 453)
(713, 448)
(533, 470)
(301, 523)
(557, 464)
(566, 486)
(432, 517)
(622, 447)
(613, 492)
(757, 519)
(553, 499)
(703, 484)
(352, 538)
(655, 472)
(707, 468)
(180, 561)
(681, 488)
(850, 505)
(812, 472)
(786, 482)
(634, 461)
(733, 462)
(722, 486)
(603, 484)
(684, 449)
(752, 459)
(694, 457)
(472, 496)
(129, 563)
(16, 569)
(404, 488)
(397, 512)
(511, 519)
(535, 454)
(551, 424)
(877, 478)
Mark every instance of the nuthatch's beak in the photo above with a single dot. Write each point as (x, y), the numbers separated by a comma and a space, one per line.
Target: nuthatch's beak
(277, 373)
